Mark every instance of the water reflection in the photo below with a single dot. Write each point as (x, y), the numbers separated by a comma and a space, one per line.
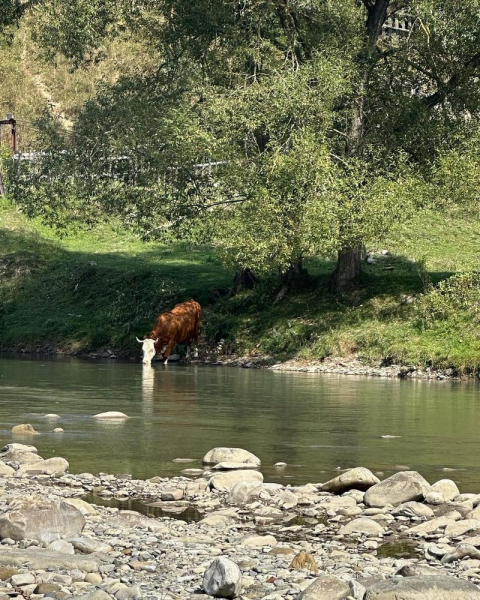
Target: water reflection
(148, 386)
(314, 423)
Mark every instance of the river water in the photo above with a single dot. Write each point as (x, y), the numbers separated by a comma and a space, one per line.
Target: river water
(316, 423)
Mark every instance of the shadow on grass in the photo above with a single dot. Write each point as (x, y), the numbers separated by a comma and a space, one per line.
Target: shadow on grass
(53, 297)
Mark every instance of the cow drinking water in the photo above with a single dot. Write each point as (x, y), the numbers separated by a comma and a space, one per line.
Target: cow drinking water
(180, 325)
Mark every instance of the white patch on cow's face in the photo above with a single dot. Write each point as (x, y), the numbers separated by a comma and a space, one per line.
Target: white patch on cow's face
(148, 347)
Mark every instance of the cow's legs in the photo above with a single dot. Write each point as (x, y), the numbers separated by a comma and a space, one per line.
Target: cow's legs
(168, 350)
(189, 350)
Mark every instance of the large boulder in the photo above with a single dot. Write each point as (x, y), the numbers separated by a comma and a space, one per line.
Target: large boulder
(447, 488)
(401, 487)
(222, 579)
(230, 455)
(20, 453)
(55, 466)
(326, 587)
(33, 519)
(353, 479)
(224, 482)
(423, 588)
(244, 491)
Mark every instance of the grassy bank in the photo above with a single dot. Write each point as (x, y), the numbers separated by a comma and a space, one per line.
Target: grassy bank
(99, 290)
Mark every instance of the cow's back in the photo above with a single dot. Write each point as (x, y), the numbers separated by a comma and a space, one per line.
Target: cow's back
(180, 324)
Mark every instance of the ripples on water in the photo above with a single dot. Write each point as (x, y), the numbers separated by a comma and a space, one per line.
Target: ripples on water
(318, 424)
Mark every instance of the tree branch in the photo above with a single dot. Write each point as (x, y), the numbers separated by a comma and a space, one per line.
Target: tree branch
(468, 69)
(395, 6)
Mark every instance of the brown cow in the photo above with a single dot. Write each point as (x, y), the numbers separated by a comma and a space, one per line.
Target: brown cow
(177, 326)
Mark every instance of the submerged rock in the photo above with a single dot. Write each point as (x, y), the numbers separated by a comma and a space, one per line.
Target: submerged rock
(111, 415)
(24, 429)
(230, 455)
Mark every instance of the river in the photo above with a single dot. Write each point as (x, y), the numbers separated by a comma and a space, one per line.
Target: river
(315, 423)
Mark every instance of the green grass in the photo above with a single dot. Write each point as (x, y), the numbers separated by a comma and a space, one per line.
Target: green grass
(51, 296)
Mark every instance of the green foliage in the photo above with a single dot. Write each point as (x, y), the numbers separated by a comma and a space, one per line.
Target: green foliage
(456, 298)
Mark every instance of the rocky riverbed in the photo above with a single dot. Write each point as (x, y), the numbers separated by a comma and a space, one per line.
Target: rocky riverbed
(353, 537)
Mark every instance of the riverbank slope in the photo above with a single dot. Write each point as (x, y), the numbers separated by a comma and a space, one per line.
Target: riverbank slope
(95, 291)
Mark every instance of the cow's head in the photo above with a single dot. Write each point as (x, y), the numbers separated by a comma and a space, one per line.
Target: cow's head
(148, 347)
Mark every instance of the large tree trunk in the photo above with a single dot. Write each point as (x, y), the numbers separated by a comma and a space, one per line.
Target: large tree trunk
(243, 280)
(289, 278)
(349, 266)
(349, 261)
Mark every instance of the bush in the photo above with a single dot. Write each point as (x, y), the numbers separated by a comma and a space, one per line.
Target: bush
(455, 298)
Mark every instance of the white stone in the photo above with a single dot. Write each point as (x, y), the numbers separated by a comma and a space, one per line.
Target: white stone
(222, 579)
(111, 415)
(230, 455)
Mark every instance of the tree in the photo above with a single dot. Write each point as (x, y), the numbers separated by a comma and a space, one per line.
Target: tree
(322, 124)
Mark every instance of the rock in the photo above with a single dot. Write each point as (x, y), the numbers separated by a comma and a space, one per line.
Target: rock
(95, 595)
(304, 560)
(217, 519)
(431, 526)
(458, 528)
(51, 416)
(130, 518)
(259, 541)
(89, 545)
(244, 491)
(362, 525)
(224, 482)
(33, 519)
(447, 488)
(280, 465)
(58, 430)
(111, 415)
(286, 500)
(222, 579)
(61, 546)
(417, 571)
(22, 579)
(24, 429)
(423, 588)
(5, 470)
(462, 551)
(326, 587)
(401, 487)
(235, 455)
(171, 494)
(434, 497)
(93, 578)
(20, 456)
(84, 507)
(359, 479)
(35, 559)
(55, 466)
(413, 509)
(15, 447)
(7, 572)
(46, 588)
(232, 466)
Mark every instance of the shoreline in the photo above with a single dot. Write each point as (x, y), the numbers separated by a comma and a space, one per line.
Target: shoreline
(334, 365)
(363, 536)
